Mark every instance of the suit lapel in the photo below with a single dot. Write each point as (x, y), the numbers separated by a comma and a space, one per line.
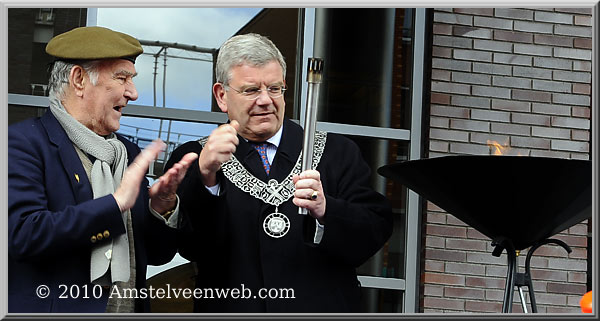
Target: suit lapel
(80, 184)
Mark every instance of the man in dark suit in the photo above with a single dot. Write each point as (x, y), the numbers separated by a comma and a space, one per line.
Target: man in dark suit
(241, 200)
(82, 222)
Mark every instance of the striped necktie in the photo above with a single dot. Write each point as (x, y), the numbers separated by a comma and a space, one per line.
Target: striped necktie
(262, 152)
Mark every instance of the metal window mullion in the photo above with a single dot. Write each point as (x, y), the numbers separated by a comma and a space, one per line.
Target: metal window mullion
(413, 218)
(92, 17)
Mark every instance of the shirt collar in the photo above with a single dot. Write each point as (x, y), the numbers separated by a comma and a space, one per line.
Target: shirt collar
(275, 139)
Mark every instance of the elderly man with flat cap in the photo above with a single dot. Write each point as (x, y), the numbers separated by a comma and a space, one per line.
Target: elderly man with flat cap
(82, 222)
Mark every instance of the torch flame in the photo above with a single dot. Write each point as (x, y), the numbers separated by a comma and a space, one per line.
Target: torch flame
(496, 148)
(499, 149)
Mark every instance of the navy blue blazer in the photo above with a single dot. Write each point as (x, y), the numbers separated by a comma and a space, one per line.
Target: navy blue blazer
(52, 217)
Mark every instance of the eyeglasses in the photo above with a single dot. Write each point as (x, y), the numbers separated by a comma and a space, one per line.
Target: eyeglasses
(252, 93)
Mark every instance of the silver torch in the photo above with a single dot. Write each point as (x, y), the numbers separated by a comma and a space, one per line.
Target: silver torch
(313, 77)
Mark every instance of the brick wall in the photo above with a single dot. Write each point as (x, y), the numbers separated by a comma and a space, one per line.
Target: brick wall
(521, 77)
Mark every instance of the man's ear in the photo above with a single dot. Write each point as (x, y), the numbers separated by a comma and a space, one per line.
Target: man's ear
(219, 93)
(77, 80)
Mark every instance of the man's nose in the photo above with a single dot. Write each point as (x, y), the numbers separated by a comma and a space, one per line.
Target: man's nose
(264, 98)
(131, 92)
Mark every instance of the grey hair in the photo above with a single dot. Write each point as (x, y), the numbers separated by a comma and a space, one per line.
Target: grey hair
(252, 49)
(59, 76)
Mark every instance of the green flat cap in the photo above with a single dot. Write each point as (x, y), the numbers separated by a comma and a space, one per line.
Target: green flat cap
(91, 43)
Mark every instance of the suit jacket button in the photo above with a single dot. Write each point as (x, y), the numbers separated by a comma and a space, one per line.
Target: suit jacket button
(99, 236)
(93, 239)
(106, 234)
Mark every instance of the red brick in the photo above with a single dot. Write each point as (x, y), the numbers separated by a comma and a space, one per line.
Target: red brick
(584, 89)
(573, 300)
(552, 299)
(582, 156)
(463, 293)
(432, 207)
(495, 270)
(566, 288)
(511, 129)
(436, 218)
(439, 74)
(572, 240)
(434, 266)
(439, 122)
(577, 277)
(523, 37)
(580, 65)
(442, 278)
(551, 250)
(435, 241)
(441, 52)
(553, 40)
(550, 153)
(578, 253)
(471, 149)
(570, 122)
(581, 135)
(485, 282)
(583, 20)
(465, 268)
(494, 295)
(444, 303)
(511, 105)
(475, 234)
(550, 275)
(472, 32)
(438, 146)
(456, 112)
(585, 11)
(530, 119)
(565, 264)
(445, 255)
(562, 310)
(482, 138)
(476, 11)
(433, 290)
(530, 142)
(466, 244)
(532, 95)
(579, 229)
(539, 262)
(442, 29)
(483, 306)
(448, 231)
(437, 98)
(485, 258)
(452, 220)
(540, 286)
(583, 112)
(584, 43)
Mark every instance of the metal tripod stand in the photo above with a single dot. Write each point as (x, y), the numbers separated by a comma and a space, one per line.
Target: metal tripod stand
(514, 278)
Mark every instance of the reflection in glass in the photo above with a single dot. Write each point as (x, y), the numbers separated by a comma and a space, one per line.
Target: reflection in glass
(367, 76)
(142, 131)
(388, 301)
(389, 262)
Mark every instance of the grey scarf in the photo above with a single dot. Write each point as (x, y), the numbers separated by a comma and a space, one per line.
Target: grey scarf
(106, 174)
